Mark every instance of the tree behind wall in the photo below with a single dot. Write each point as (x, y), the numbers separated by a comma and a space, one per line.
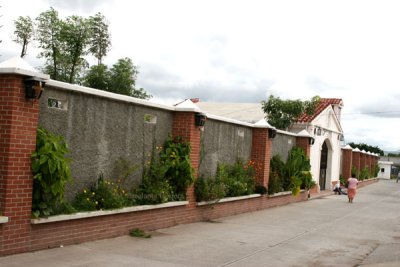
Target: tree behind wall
(100, 38)
(363, 146)
(283, 113)
(23, 33)
(49, 27)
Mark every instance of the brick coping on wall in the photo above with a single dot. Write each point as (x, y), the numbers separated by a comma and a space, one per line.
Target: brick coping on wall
(3, 219)
(88, 214)
(284, 193)
(227, 199)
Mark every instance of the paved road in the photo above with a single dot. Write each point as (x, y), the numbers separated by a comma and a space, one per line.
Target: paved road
(320, 232)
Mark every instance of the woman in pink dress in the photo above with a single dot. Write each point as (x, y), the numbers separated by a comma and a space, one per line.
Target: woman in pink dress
(352, 188)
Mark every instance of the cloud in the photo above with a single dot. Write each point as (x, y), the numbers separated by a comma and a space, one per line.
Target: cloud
(383, 107)
(78, 5)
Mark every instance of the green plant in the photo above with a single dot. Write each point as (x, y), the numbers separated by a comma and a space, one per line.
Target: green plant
(209, 189)
(376, 170)
(354, 172)
(238, 178)
(51, 173)
(364, 174)
(175, 156)
(230, 181)
(307, 181)
(342, 180)
(102, 195)
(260, 189)
(139, 233)
(283, 113)
(296, 168)
(276, 181)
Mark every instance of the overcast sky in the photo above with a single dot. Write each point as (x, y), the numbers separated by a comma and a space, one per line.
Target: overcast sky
(243, 51)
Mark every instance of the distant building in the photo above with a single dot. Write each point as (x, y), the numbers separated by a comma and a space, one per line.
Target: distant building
(385, 168)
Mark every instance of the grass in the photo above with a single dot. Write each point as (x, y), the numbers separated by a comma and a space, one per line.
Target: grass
(139, 233)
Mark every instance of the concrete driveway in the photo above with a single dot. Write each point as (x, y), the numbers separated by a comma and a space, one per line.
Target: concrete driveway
(321, 232)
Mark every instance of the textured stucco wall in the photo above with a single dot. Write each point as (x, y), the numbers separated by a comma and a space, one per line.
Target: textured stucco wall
(223, 142)
(282, 144)
(99, 131)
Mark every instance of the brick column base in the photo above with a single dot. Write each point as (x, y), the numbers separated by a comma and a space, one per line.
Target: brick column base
(18, 124)
(184, 127)
(261, 155)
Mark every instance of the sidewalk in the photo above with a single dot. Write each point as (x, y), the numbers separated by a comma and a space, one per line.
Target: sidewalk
(327, 231)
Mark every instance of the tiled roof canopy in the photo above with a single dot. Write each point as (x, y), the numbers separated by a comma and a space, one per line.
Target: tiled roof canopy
(323, 104)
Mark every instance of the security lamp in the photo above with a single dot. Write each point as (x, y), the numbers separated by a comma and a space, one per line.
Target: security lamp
(312, 140)
(200, 119)
(271, 133)
(34, 87)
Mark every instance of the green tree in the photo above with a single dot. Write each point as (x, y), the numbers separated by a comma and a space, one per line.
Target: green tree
(100, 37)
(76, 36)
(48, 36)
(363, 146)
(97, 77)
(23, 33)
(123, 76)
(283, 113)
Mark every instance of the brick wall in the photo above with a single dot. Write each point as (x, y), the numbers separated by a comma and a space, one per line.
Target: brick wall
(356, 161)
(55, 234)
(347, 158)
(18, 123)
(362, 161)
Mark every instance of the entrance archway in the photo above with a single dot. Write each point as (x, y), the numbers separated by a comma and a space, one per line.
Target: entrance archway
(323, 166)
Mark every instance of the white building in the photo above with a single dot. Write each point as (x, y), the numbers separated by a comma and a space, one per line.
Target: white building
(325, 155)
(384, 169)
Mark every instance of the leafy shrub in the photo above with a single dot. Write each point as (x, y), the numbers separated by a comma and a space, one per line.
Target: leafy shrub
(354, 172)
(364, 174)
(297, 168)
(260, 189)
(175, 156)
(209, 189)
(343, 180)
(230, 181)
(155, 188)
(238, 178)
(103, 195)
(376, 170)
(51, 173)
(275, 183)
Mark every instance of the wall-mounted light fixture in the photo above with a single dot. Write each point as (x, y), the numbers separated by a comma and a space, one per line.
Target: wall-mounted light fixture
(271, 133)
(319, 131)
(311, 141)
(34, 87)
(341, 137)
(200, 119)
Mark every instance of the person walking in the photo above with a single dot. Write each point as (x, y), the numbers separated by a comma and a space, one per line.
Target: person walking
(352, 188)
(398, 177)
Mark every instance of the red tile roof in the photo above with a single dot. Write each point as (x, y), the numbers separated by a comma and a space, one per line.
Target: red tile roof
(323, 104)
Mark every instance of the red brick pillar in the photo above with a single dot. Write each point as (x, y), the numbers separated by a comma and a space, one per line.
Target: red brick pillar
(304, 143)
(347, 159)
(261, 155)
(368, 163)
(362, 160)
(18, 123)
(184, 126)
(356, 161)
